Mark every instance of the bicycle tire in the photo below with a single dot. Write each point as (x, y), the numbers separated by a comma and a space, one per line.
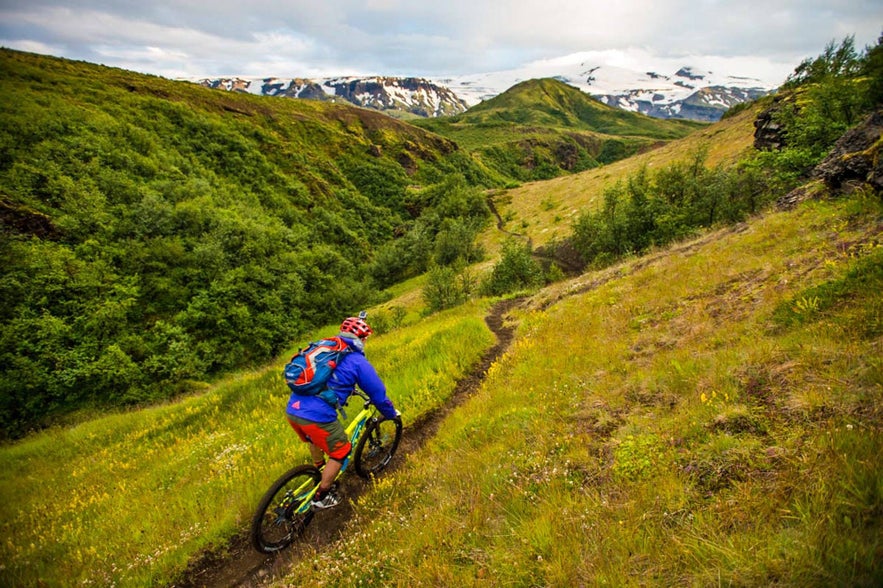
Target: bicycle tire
(275, 526)
(376, 446)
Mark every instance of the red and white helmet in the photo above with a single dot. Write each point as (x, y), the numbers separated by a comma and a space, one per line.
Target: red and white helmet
(357, 326)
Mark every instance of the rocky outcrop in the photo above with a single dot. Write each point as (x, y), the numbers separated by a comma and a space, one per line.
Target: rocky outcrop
(294, 88)
(20, 219)
(854, 162)
(855, 159)
(769, 135)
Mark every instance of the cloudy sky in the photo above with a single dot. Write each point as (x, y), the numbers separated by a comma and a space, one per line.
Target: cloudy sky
(289, 38)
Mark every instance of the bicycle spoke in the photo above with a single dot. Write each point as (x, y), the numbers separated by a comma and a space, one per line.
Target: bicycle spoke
(283, 514)
(376, 448)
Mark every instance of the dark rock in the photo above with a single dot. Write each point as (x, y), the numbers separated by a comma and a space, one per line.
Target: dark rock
(796, 196)
(855, 158)
(16, 218)
(768, 133)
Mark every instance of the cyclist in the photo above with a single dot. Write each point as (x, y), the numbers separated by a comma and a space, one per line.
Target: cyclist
(315, 419)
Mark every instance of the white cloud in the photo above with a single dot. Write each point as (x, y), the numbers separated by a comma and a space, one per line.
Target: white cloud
(403, 37)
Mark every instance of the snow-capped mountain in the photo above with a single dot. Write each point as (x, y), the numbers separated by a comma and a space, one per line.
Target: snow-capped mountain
(686, 92)
(414, 95)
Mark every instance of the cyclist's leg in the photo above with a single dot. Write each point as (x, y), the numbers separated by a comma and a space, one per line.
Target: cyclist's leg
(331, 439)
(332, 468)
(318, 456)
(338, 448)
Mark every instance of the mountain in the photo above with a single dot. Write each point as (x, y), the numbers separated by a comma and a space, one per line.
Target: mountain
(688, 92)
(392, 95)
(707, 103)
(542, 128)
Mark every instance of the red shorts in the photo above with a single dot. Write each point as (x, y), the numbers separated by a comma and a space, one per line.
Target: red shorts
(329, 437)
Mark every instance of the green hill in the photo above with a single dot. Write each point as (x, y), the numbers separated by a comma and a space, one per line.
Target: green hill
(156, 233)
(552, 103)
(539, 129)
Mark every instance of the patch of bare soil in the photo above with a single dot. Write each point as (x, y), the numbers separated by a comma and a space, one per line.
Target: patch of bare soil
(238, 564)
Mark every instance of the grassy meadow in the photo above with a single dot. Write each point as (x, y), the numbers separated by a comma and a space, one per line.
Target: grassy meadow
(128, 499)
(546, 210)
(706, 415)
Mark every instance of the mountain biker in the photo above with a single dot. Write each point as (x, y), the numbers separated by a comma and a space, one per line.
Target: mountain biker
(315, 419)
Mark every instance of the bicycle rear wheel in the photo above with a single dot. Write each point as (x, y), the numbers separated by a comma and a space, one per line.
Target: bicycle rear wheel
(376, 446)
(276, 525)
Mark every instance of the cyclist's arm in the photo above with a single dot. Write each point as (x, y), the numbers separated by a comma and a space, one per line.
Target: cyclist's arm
(371, 383)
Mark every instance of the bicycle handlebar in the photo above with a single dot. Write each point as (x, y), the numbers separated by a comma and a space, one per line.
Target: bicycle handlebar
(361, 394)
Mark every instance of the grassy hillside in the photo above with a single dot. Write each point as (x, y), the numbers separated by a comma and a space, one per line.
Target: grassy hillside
(708, 415)
(713, 415)
(127, 499)
(539, 129)
(543, 211)
(157, 233)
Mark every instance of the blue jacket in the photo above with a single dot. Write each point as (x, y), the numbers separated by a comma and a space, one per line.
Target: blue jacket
(354, 370)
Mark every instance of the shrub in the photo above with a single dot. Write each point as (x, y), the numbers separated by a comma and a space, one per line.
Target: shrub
(516, 269)
(387, 319)
(447, 286)
(456, 241)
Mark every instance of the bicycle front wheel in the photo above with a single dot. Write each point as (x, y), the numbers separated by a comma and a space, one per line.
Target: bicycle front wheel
(276, 524)
(377, 446)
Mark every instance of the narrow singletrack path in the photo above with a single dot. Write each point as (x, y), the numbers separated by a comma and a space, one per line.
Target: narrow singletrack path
(238, 565)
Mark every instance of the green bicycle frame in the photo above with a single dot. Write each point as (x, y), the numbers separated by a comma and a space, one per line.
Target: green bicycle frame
(354, 431)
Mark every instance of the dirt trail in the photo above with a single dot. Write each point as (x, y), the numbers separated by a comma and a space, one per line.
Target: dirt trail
(239, 565)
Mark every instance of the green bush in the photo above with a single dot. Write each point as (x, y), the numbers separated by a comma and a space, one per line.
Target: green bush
(447, 286)
(449, 216)
(455, 241)
(646, 210)
(515, 270)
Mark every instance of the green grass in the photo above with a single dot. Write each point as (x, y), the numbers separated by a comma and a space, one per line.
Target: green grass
(526, 208)
(684, 438)
(129, 498)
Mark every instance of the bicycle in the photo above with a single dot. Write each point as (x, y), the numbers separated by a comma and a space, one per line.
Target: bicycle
(285, 511)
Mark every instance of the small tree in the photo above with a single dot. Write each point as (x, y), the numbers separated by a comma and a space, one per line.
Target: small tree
(456, 242)
(873, 69)
(516, 269)
(447, 287)
(835, 90)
